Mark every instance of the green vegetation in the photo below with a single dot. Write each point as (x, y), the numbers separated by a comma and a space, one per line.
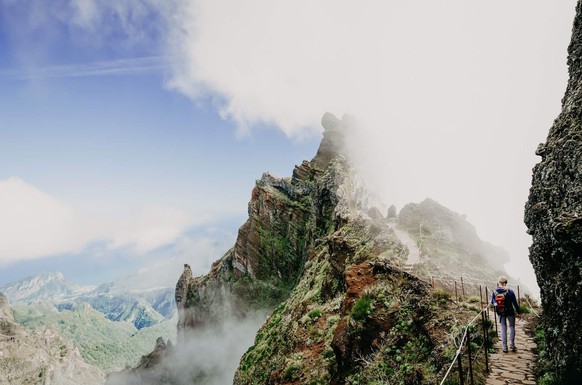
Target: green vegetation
(543, 370)
(314, 314)
(260, 294)
(442, 297)
(474, 299)
(106, 344)
(291, 372)
(362, 308)
(524, 309)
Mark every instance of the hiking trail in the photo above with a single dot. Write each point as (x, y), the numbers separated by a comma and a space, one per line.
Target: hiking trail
(513, 368)
(413, 250)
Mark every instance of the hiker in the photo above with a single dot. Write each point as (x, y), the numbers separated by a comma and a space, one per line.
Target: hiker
(506, 306)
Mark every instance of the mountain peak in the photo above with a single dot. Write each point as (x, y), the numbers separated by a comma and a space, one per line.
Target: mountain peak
(333, 141)
(40, 287)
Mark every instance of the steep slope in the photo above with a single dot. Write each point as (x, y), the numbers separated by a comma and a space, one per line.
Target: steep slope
(286, 217)
(553, 216)
(101, 342)
(40, 356)
(448, 245)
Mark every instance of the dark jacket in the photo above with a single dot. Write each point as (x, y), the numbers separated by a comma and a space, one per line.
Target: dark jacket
(511, 305)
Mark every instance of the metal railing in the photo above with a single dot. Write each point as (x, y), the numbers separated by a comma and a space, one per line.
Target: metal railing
(464, 349)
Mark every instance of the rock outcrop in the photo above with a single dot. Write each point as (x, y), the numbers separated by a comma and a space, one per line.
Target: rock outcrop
(553, 216)
(286, 217)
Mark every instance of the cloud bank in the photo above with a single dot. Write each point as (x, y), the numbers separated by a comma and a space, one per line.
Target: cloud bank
(35, 224)
(453, 96)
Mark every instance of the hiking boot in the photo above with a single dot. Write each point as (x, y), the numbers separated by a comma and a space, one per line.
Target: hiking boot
(504, 349)
(513, 349)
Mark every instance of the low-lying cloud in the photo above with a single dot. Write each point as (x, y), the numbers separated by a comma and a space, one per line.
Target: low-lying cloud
(208, 356)
(35, 224)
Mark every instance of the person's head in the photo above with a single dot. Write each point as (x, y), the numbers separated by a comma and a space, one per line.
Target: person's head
(502, 281)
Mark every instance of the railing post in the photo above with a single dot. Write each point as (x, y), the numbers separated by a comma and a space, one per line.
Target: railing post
(487, 300)
(518, 297)
(432, 281)
(463, 287)
(470, 359)
(481, 296)
(456, 295)
(486, 342)
(461, 380)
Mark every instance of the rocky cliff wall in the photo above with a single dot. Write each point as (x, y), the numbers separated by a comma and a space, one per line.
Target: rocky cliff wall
(553, 216)
(286, 218)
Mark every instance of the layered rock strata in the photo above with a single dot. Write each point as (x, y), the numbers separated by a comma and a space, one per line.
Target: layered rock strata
(286, 217)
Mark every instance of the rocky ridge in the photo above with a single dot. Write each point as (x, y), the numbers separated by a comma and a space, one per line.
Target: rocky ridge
(286, 217)
(553, 215)
(332, 272)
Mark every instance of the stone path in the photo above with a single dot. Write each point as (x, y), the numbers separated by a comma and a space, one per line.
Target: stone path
(513, 368)
(413, 250)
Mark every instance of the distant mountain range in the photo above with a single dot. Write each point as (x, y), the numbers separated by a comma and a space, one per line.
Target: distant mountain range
(112, 324)
(124, 300)
(103, 343)
(50, 287)
(40, 356)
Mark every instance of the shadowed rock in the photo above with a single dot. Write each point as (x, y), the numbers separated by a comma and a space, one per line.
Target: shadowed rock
(553, 216)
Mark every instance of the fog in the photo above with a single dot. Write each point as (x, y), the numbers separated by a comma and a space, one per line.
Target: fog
(208, 356)
(455, 95)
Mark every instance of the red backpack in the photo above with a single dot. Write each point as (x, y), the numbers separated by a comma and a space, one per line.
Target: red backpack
(500, 300)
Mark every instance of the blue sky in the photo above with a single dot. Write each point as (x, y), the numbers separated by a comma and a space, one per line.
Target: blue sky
(132, 132)
(103, 144)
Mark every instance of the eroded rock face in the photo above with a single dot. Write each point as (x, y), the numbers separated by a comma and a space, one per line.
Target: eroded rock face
(286, 217)
(554, 219)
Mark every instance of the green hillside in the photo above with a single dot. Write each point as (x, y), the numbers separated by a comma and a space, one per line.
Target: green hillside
(106, 344)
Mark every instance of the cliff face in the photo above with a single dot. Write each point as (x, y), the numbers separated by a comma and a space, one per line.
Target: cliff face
(553, 216)
(286, 217)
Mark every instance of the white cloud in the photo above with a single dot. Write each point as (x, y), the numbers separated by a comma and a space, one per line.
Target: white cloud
(34, 224)
(133, 66)
(454, 96)
(150, 228)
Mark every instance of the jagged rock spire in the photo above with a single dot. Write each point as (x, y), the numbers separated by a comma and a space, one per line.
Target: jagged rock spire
(333, 142)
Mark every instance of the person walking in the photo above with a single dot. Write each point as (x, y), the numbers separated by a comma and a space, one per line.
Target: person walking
(506, 307)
